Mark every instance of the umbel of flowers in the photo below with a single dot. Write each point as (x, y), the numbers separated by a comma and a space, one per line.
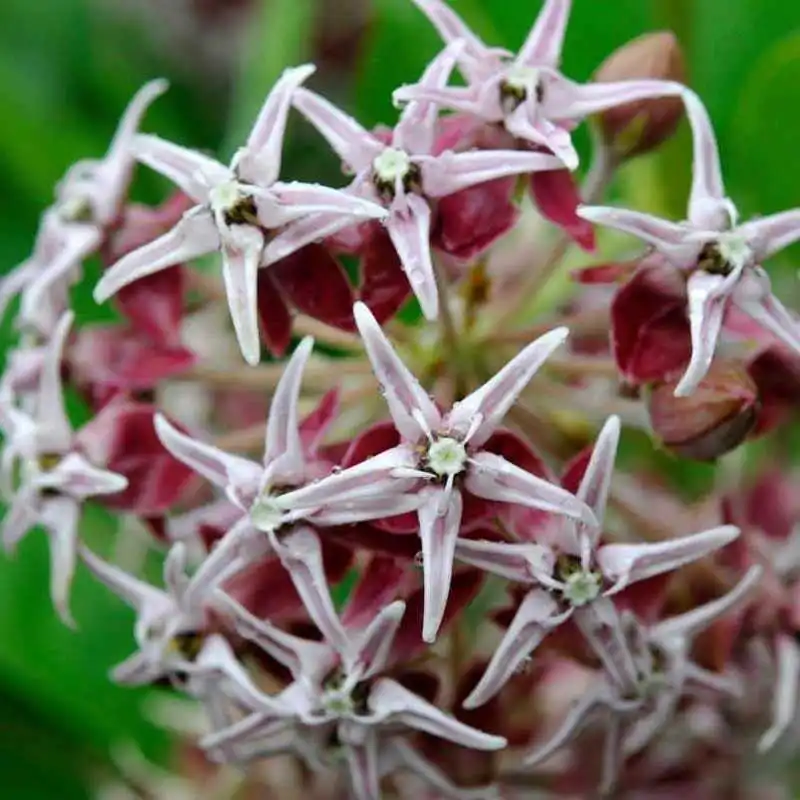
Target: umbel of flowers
(432, 589)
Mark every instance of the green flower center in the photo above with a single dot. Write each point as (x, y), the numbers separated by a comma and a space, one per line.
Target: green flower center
(447, 457)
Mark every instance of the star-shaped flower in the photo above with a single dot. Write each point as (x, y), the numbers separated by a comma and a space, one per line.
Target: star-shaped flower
(43, 473)
(88, 200)
(575, 575)
(442, 455)
(340, 700)
(526, 92)
(721, 258)
(404, 175)
(236, 206)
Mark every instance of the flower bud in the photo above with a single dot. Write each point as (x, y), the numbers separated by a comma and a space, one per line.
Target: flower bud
(713, 420)
(642, 125)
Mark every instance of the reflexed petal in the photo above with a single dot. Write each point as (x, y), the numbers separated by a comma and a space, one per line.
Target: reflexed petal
(287, 202)
(451, 172)
(546, 39)
(784, 704)
(627, 563)
(260, 160)
(215, 465)
(352, 143)
(302, 657)
(301, 554)
(439, 524)
(492, 477)
(769, 235)
(51, 416)
(416, 130)
(414, 413)
(689, 624)
(193, 172)
(581, 100)
(409, 228)
(389, 700)
(707, 304)
(60, 516)
(596, 479)
(194, 236)
(671, 238)
(454, 98)
(241, 255)
(514, 562)
(362, 766)
(375, 644)
(707, 198)
(479, 414)
(537, 616)
(283, 431)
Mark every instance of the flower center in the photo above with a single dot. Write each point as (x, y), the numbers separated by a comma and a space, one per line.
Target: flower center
(76, 209)
(447, 457)
(266, 513)
(727, 254)
(233, 204)
(391, 166)
(582, 587)
(519, 84)
(341, 699)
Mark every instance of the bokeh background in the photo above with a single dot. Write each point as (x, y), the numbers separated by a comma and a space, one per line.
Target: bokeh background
(67, 69)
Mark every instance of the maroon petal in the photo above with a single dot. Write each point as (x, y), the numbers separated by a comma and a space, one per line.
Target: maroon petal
(470, 220)
(557, 198)
(650, 334)
(382, 581)
(367, 536)
(776, 372)
(314, 426)
(273, 313)
(313, 281)
(154, 305)
(384, 285)
(122, 438)
(615, 272)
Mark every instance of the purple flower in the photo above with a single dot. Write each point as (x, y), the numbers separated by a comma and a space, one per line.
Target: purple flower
(88, 200)
(526, 92)
(721, 258)
(340, 704)
(576, 576)
(404, 176)
(439, 457)
(235, 205)
(44, 475)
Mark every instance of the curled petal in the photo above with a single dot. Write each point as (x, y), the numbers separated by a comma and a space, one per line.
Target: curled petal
(194, 236)
(784, 704)
(627, 563)
(492, 477)
(479, 414)
(353, 144)
(707, 304)
(409, 228)
(537, 616)
(414, 413)
(439, 524)
(393, 702)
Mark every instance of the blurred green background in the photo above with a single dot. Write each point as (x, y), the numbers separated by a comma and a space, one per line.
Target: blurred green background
(67, 69)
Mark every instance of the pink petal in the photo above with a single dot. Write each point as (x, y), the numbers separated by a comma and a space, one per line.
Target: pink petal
(154, 305)
(194, 236)
(51, 415)
(784, 705)
(391, 700)
(544, 43)
(60, 517)
(772, 234)
(494, 478)
(302, 232)
(753, 295)
(581, 100)
(414, 413)
(260, 160)
(379, 584)
(285, 203)
(514, 562)
(78, 478)
(353, 144)
(707, 303)
(451, 172)
(215, 465)
(409, 229)
(596, 479)
(557, 197)
(384, 287)
(375, 642)
(536, 617)
(20, 516)
(362, 766)
(626, 563)
(526, 124)
(314, 426)
(283, 433)
(479, 414)
(313, 281)
(193, 172)
(439, 525)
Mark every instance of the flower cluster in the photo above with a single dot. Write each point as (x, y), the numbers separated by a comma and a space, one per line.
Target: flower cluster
(432, 589)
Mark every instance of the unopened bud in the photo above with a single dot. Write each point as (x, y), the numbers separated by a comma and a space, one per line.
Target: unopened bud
(642, 125)
(711, 421)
